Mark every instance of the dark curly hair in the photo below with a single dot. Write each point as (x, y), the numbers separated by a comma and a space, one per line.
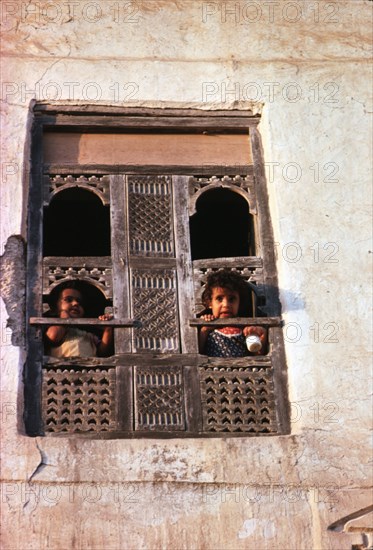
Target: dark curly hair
(93, 300)
(225, 278)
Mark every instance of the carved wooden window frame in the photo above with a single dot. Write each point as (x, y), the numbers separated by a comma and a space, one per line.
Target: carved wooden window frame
(192, 395)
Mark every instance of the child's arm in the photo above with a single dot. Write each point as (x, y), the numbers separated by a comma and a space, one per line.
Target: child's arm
(258, 331)
(204, 332)
(105, 346)
(55, 335)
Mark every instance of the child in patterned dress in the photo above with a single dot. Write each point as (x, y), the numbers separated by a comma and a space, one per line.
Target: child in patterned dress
(65, 341)
(223, 294)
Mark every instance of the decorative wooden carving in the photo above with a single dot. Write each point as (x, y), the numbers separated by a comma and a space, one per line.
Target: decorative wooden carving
(96, 184)
(93, 270)
(150, 216)
(244, 185)
(238, 399)
(78, 399)
(154, 301)
(159, 398)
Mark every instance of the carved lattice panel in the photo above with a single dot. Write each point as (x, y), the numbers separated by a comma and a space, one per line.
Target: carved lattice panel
(78, 399)
(238, 399)
(93, 270)
(100, 185)
(150, 216)
(154, 299)
(244, 185)
(159, 398)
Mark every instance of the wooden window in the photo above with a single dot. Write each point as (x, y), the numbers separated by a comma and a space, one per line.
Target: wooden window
(142, 185)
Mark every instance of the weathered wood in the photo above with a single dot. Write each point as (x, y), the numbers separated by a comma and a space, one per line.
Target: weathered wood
(205, 124)
(32, 369)
(189, 341)
(85, 109)
(238, 322)
(124, 398)
(265, 232)
(280, 378)
(111, 117)
(174, 269)
(193, 410)
(119, 248)
(148, 434)
(173, 169)
(155, 263)
(83, 321)
(247, 261)
(74, 261)
(126, 360)
(142, 148)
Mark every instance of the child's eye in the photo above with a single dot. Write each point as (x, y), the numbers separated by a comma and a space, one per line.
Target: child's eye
(71, 299)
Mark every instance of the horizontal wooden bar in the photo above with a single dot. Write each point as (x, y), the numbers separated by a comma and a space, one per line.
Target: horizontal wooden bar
(153, 359)
(90, 122)
(238, 322)
(201, 170)
(78, 261)
(84, 321)
(150, 434)
(84, 109)
(237, 261)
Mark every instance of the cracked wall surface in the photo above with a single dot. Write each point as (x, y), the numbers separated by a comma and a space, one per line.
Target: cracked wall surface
(305, 66)
(12, 288)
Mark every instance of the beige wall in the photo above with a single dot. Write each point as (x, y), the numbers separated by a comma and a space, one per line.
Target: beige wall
(306, 66)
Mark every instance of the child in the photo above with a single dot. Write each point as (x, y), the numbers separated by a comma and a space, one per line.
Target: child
(224, 293)
(63, 341)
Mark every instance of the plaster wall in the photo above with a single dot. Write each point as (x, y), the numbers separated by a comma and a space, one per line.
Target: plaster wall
(305, 66)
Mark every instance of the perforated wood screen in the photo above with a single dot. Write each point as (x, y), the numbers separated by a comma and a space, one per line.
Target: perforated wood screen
(156, 384)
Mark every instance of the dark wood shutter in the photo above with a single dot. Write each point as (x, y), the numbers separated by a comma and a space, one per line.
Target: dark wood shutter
(156, 384)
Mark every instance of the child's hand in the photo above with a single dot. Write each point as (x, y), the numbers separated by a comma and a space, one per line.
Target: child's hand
(105, 347)
(106, 317)
(208, 317)
(207, 329)
(258, 331)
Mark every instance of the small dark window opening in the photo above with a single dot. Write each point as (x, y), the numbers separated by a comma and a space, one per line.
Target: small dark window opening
(222, 227)
(76, 223)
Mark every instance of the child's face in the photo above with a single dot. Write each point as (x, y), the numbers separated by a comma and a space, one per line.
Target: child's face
(224, 302)
(70, 301)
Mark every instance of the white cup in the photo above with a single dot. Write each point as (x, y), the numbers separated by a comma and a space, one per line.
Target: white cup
(253, 343)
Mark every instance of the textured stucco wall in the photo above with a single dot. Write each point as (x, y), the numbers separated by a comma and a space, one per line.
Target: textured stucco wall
(306, 65)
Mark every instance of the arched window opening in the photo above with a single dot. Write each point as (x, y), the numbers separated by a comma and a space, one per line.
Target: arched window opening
(94, 300)
(76, 223)
(222, 227)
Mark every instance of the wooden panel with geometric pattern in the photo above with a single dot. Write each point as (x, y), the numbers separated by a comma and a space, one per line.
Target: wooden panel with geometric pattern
(78, 399)
(159, 398)
(238, 398)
